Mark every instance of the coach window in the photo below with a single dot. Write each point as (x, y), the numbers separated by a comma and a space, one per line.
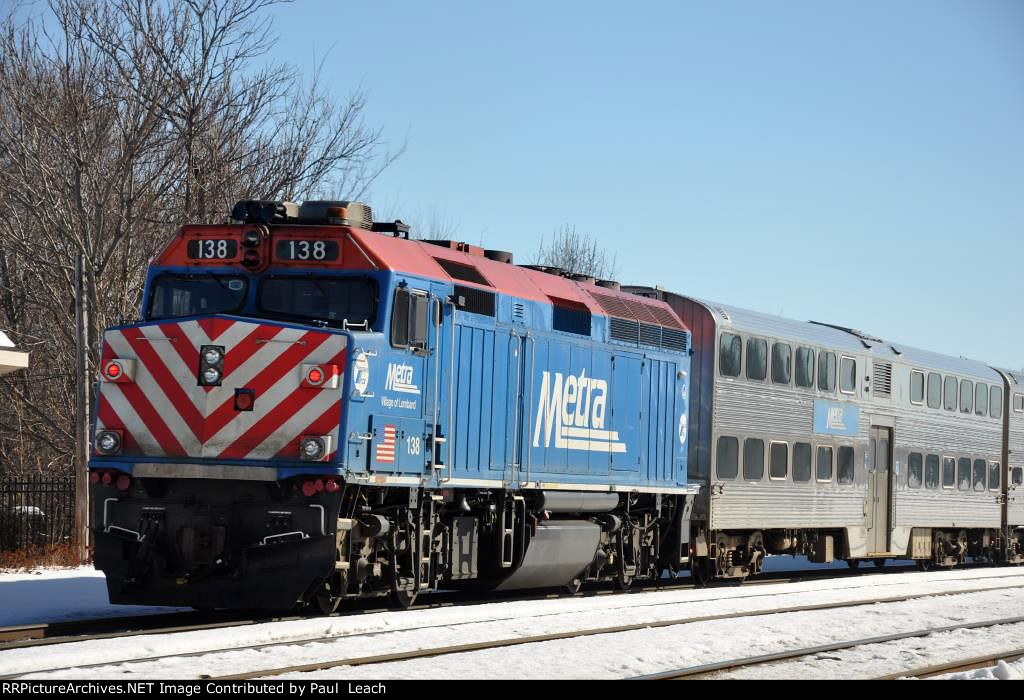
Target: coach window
(757, 358)
(845, 465)
(730, 353)
(916, 386)
(931, 472)
(914, 470)
(804, 367)
(1018, 476)
(979, 475)
(753, 459)
(963, 474)
(824, 464)
(981, 399)
(778, 466)
(949, 390)
(728, 457)
(1018, 403)
(782, 361)
(801, 462)
(995, 402)
(994, 476)
(966, 396)
(934, 390)
(826, 370)
(847, 375)
(948, 472)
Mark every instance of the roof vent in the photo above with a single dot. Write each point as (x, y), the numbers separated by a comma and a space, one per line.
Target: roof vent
(255, 211)
(609, 284)
(502, 256)
(342, 213)
(585, 279)
(457, 245)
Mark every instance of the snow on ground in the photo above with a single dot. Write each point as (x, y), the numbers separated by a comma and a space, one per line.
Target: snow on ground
(52, 595)
(600, 656)
(1000, 672)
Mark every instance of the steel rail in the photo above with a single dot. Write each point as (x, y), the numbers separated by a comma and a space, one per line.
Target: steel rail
(691, 672)
(969, 664)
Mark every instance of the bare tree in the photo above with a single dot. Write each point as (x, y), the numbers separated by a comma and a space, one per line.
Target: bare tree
(119, 121)
(576, 253)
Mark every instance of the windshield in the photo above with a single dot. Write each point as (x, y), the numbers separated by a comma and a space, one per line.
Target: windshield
(172, 296)
(333, 300)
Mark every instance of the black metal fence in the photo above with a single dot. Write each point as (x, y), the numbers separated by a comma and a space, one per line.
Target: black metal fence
(36, 511)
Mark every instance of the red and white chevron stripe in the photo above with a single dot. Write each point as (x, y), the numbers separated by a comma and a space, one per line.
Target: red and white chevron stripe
(165, 413)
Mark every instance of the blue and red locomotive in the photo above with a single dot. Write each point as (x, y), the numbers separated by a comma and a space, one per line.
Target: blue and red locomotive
(316, 407)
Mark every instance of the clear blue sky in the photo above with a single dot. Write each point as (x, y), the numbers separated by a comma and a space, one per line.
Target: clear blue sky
(860, 163)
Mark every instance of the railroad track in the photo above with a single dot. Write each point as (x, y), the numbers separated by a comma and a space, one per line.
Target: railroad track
(47, 633)
(711, 669)
(959, 666)
(495, 643)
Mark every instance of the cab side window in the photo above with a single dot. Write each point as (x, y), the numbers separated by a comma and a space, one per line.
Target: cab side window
(409, 320)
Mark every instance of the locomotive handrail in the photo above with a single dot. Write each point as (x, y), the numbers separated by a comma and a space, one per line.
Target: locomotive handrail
(264, 341)
(529, 405)
(451, 399)
(147, 338)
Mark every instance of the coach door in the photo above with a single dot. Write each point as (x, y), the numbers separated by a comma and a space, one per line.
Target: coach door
(879, 486)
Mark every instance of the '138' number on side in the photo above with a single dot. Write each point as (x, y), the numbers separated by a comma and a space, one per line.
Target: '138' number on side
(307, 250)
(412, 444)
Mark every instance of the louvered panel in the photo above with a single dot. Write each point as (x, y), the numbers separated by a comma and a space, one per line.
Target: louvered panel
(650, 334)
(624, 330)
(672, 339)
(881, 379)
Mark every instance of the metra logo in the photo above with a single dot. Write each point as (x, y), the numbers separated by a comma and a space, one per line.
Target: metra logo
(836, 419)
(400, 379)
(572, 409)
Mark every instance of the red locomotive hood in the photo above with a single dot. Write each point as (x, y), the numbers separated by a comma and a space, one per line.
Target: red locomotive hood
(156, 400)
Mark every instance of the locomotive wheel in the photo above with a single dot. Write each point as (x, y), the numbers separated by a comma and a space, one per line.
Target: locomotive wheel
(325, 602)
(853, 563)
(403, 597)
(879, 562)
(924, 564)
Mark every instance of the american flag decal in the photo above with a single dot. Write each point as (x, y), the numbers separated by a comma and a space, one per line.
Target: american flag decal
(386, 448)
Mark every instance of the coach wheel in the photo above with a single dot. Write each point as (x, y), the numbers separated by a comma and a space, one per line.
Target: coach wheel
(853, 563)
(879, 562)
(623, 581)
(699, 571)
(573, 587)
(924, 564)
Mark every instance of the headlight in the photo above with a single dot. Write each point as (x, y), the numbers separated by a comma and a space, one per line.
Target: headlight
(108, 442)
(211, 375)
(312, 449)
(212, 356)
(211, 365)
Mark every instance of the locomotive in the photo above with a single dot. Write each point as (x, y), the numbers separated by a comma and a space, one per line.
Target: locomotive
(316, 406)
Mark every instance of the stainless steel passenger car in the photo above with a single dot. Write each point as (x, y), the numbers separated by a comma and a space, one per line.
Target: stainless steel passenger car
(817, 439)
